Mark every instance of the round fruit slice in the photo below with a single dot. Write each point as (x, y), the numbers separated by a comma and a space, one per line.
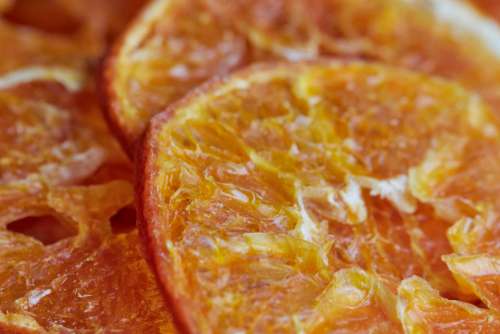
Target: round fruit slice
(257, 189)
(34, 49)
(175, 45)
(90, 24)
(93, 281)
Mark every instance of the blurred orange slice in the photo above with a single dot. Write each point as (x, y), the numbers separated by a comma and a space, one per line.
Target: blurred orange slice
(175, 45)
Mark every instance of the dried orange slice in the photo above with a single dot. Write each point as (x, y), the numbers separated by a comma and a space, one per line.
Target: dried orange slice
(94, 281)
(258, 190)
(48, 141)
(90, 24)
(175, 45)
(32, 49)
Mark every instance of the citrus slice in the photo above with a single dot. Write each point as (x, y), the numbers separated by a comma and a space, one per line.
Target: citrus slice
(31, 48)
(257, 189)
(175, 45)
(94, 281)
(48, 141)
(90, 24)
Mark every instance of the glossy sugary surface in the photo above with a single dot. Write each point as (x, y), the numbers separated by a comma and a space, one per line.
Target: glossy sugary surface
(50, 138)
(297, 197)
(175, 45)
(92, 23)
(63, 267)
(95, 281)
(52, 132)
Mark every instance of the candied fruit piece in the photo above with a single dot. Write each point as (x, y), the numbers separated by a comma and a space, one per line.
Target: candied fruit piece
(259, 192)
(175, 45)
(94, 281)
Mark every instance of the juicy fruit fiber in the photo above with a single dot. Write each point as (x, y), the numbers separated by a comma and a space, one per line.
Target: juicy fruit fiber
(423, 311)
(49, 142)
(176, 45)
(294, 197)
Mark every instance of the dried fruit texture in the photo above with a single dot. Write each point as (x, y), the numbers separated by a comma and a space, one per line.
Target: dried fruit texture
(51, 138)
(175, 45)
(262, 193)
(92, 23)
(422, 310)
(34, 50)
(94, 281)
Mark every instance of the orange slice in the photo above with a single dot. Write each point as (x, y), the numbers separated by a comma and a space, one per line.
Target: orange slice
(256, 191)
(175, 45)
(90, 24)
(94, 281)
(51, 138)
(33, 49)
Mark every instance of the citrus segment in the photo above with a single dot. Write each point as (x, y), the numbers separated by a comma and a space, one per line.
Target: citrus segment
(175, 45)
(422, 310)
(354, 301)
(257, 189)
(479, 274)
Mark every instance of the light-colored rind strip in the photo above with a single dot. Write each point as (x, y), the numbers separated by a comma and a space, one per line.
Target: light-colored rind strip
(465, 18)
(69, 78)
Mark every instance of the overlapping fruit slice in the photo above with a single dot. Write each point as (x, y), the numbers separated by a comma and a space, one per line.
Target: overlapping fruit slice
(93, 281)
(91, 24)
(297, 197)
(31, 49)
(49, 139)
(175, 45)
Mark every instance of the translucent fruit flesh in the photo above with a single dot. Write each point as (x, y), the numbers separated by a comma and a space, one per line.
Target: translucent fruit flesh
(62, 268)
(267, 196)
(90, 24)
(176, 45)
(95, 281)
